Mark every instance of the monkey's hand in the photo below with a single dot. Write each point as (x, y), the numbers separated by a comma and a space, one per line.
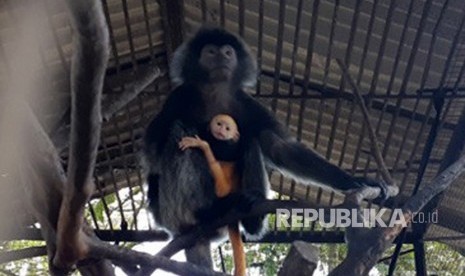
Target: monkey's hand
(192, 142)
(362, 181)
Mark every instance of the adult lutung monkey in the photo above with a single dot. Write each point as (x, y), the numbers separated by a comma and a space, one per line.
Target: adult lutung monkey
(210, 72)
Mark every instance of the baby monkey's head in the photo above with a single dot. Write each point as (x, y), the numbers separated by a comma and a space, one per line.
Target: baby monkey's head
(223, 127)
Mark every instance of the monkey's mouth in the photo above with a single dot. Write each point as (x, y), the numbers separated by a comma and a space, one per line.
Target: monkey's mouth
(222, 68)
(221, 73)
(219, 135)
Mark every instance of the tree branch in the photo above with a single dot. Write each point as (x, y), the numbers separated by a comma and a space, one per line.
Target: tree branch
(259, 209)
(88, 69)
(115, 101)
(393, 189)
(24, 253)
(45, 195)
(101, 250)
(439, 184)
(42, 178)
(365, 247)
(112, 104)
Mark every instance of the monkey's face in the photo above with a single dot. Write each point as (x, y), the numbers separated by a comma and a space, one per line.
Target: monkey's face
(219, 62)
(223, 127)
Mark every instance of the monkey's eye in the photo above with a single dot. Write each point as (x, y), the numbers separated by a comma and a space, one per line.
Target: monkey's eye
(227, 50)
(210, 50)
(218, 123)
(227, 128)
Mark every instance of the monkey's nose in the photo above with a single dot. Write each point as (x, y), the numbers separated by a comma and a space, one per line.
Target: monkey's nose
(225, 53)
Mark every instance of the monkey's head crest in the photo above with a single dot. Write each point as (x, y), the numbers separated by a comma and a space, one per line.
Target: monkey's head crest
(185, 66)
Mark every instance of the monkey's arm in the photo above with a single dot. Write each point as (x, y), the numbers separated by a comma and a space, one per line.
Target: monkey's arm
(292, 157)
(222, 186)
(295, 159)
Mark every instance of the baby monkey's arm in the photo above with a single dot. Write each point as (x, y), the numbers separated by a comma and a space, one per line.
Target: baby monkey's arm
(222, 187)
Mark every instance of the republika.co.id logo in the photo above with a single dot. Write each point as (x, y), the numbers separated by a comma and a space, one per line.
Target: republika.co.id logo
(340, 217)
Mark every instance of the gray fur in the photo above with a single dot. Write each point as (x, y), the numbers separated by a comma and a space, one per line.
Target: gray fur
(200, 254)
(254, 164)
(186, 170)
(187, 187)
(177, 64)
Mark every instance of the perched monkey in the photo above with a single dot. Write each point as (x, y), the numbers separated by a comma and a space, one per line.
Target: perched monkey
(209, 73)
(224, 135)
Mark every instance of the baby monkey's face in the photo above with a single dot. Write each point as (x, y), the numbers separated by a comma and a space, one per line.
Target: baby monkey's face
(223, 127)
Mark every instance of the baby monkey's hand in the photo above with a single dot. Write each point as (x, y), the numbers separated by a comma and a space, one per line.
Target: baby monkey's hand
(192, 142)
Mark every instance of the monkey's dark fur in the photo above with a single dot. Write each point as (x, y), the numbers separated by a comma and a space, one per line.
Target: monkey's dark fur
(180, 183)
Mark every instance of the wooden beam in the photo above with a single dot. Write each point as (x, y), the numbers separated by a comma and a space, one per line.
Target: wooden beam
(452, 154)
(313, 237)
(172, 15)
(420, 265)
(328, 92)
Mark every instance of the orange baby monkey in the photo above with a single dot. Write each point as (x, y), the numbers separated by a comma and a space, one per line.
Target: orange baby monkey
(223, 128)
